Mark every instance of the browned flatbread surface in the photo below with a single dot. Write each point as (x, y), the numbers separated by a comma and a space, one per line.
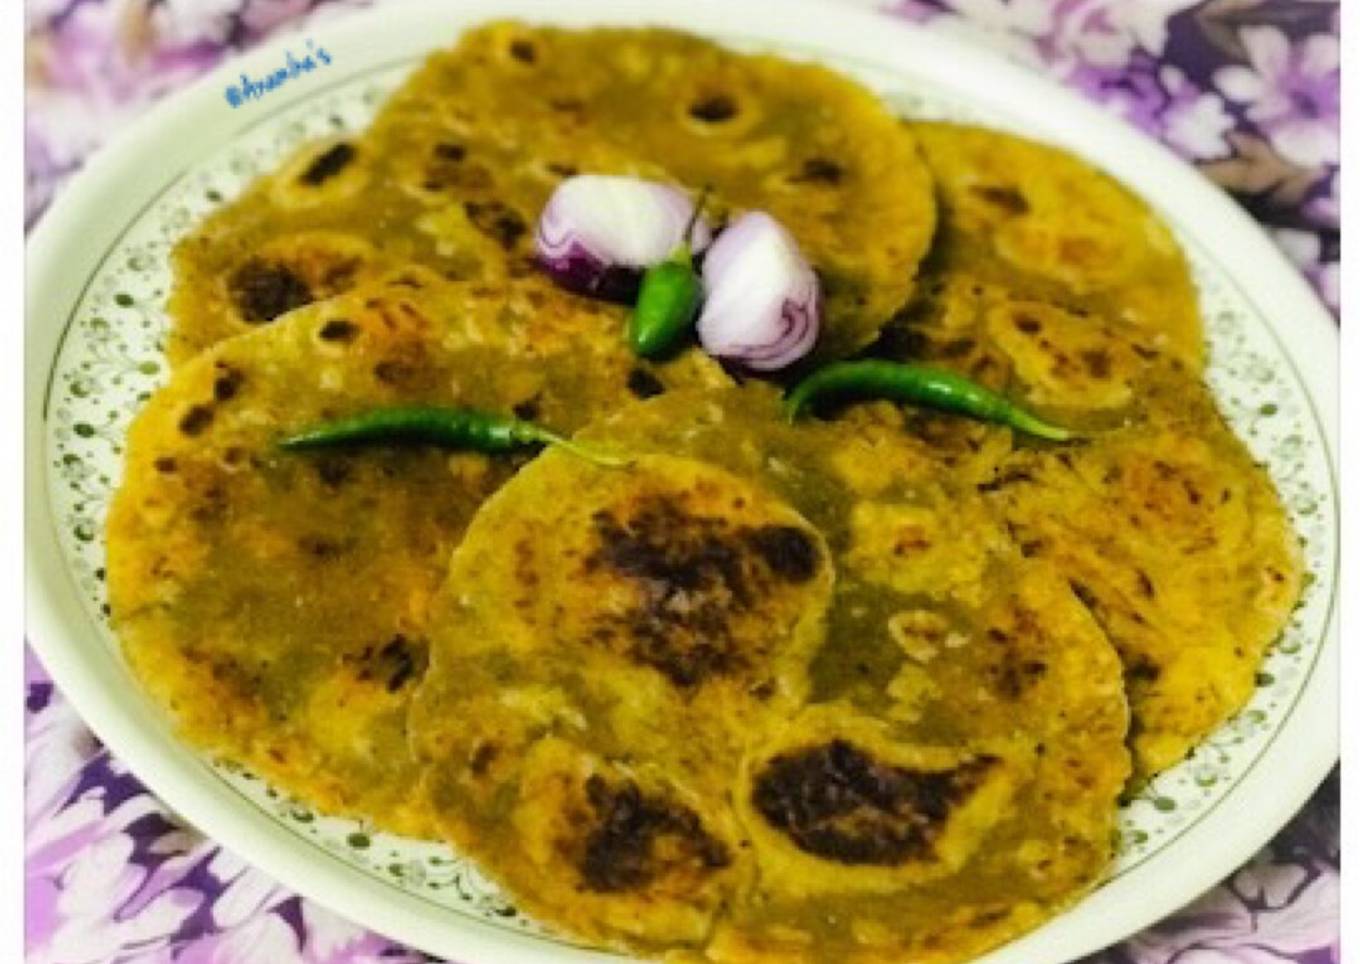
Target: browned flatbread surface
(772, 693)
(461, 159)
(277, 603)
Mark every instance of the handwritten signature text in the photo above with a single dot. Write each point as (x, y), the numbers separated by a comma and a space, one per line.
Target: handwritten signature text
(253, 88)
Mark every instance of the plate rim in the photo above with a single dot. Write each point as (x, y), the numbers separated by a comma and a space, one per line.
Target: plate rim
(1248, 815)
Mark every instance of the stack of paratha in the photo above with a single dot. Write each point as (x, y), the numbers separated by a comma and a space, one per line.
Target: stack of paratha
(861, 688)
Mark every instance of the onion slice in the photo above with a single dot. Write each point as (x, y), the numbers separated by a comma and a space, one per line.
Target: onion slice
(762, 304)
(598, 232)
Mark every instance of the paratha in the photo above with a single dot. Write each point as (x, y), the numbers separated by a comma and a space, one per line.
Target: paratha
(856, 690)
(1177, 541)
(1161, 520)
(603, 654)
(275, 603)
(919, 757)
(461, 159)
(319, 225)
(1049, 227)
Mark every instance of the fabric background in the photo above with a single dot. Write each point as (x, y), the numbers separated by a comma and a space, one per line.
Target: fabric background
(1247, 90)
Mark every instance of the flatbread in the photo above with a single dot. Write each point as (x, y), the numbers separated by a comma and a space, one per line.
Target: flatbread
(1161, 520)
(1049, 227)
(315, 228)
(600, 657)
(276, 603)
(1178, 542)
(964, 681)
(460, 161)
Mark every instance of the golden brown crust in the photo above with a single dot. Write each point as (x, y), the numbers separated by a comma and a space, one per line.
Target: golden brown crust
(1161, 521)
(1049, 227)
(277, 603)
(847, 691)
(1179, 544)
(460, 161)
(887, 768)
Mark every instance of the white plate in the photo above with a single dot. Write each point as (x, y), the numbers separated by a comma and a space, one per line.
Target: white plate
(97, 279)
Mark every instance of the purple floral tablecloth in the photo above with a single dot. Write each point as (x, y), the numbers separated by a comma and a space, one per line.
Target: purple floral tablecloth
(1248, 90)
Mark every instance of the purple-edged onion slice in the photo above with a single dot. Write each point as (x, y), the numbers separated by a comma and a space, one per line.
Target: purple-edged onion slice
(762, 306)
(599, 232)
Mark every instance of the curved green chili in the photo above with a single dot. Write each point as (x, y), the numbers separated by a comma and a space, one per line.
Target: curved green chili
(669, 297)
(921, 385)
(455, 428)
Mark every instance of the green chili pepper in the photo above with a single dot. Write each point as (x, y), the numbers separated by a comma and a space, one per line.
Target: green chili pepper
(456, 428)
(921, 385)
(666, 306)
(669, 297)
